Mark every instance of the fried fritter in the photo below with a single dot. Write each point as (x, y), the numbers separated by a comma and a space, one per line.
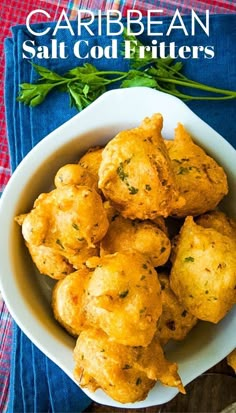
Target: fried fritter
(74, 174)
(125, 373)
(175, 322)
(161, 224)
(136, 175)
(201, 181)
(65, 217)
(142, 236)
(78, 257)
(124, 297)
(203, 275)
(219, 221)
(67, 301)
(50, 262)
(91, 160)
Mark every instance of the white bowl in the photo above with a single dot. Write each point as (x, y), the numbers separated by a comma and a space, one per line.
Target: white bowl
(27, 294)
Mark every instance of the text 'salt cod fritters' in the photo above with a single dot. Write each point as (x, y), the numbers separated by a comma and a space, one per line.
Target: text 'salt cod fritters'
(136, 175)
(201, 181)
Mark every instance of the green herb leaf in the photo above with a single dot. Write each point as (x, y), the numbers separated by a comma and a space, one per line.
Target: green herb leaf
(135, 78)
(34, 94)
(124, 294)
(46, 73)
(188, 259)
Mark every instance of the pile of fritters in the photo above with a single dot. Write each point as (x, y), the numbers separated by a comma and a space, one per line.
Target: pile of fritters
(125, 286)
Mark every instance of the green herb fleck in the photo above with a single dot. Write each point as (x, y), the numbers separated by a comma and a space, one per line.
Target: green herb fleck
(148, 187)
(132, 190)
(126, 367)
(75, 226)
(60, 243)
(189, 259)
(138, 381)
(182, 170)
(121, 173)
(124, 294)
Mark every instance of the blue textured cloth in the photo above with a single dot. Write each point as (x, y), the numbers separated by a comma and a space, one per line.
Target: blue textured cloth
(37, 385)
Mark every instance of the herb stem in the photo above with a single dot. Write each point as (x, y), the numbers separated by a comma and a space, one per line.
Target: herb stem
(189, 97)
(199, 86)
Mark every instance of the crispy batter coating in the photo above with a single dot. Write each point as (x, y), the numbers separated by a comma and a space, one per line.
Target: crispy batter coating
(142, 236)
(201, 181)
(111, 212)
(161, 223)
(67, 301)
(135, 172)
(65, 217)
(124, 297)
(219, 221)
(175, 322)
(203, 275)
(125, 373)
(231, 360)
(91, 160)
(74, 174)
(57, 262)
(49, 261)
(78, 257)
(63, 228)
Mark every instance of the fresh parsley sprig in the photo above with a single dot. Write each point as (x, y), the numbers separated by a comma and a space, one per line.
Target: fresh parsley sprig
(86, 83)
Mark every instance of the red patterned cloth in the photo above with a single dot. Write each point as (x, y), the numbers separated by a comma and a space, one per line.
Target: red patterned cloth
(14, 12)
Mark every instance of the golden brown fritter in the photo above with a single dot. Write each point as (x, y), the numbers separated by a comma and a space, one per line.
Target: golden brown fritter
(49, 261)
(74, 174)
(78, 257)
(161, 224)
(142, 236)
(135, 173)
(203, 275)
(201, 181)
(91, 160)
(63, 228)
(65, 217)
(219, 221)
(125, 373)
(67, 301)
(124, 297)
(175, 322)
(231, 360)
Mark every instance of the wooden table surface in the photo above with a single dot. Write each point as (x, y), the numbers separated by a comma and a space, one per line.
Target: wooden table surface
(212, 392)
